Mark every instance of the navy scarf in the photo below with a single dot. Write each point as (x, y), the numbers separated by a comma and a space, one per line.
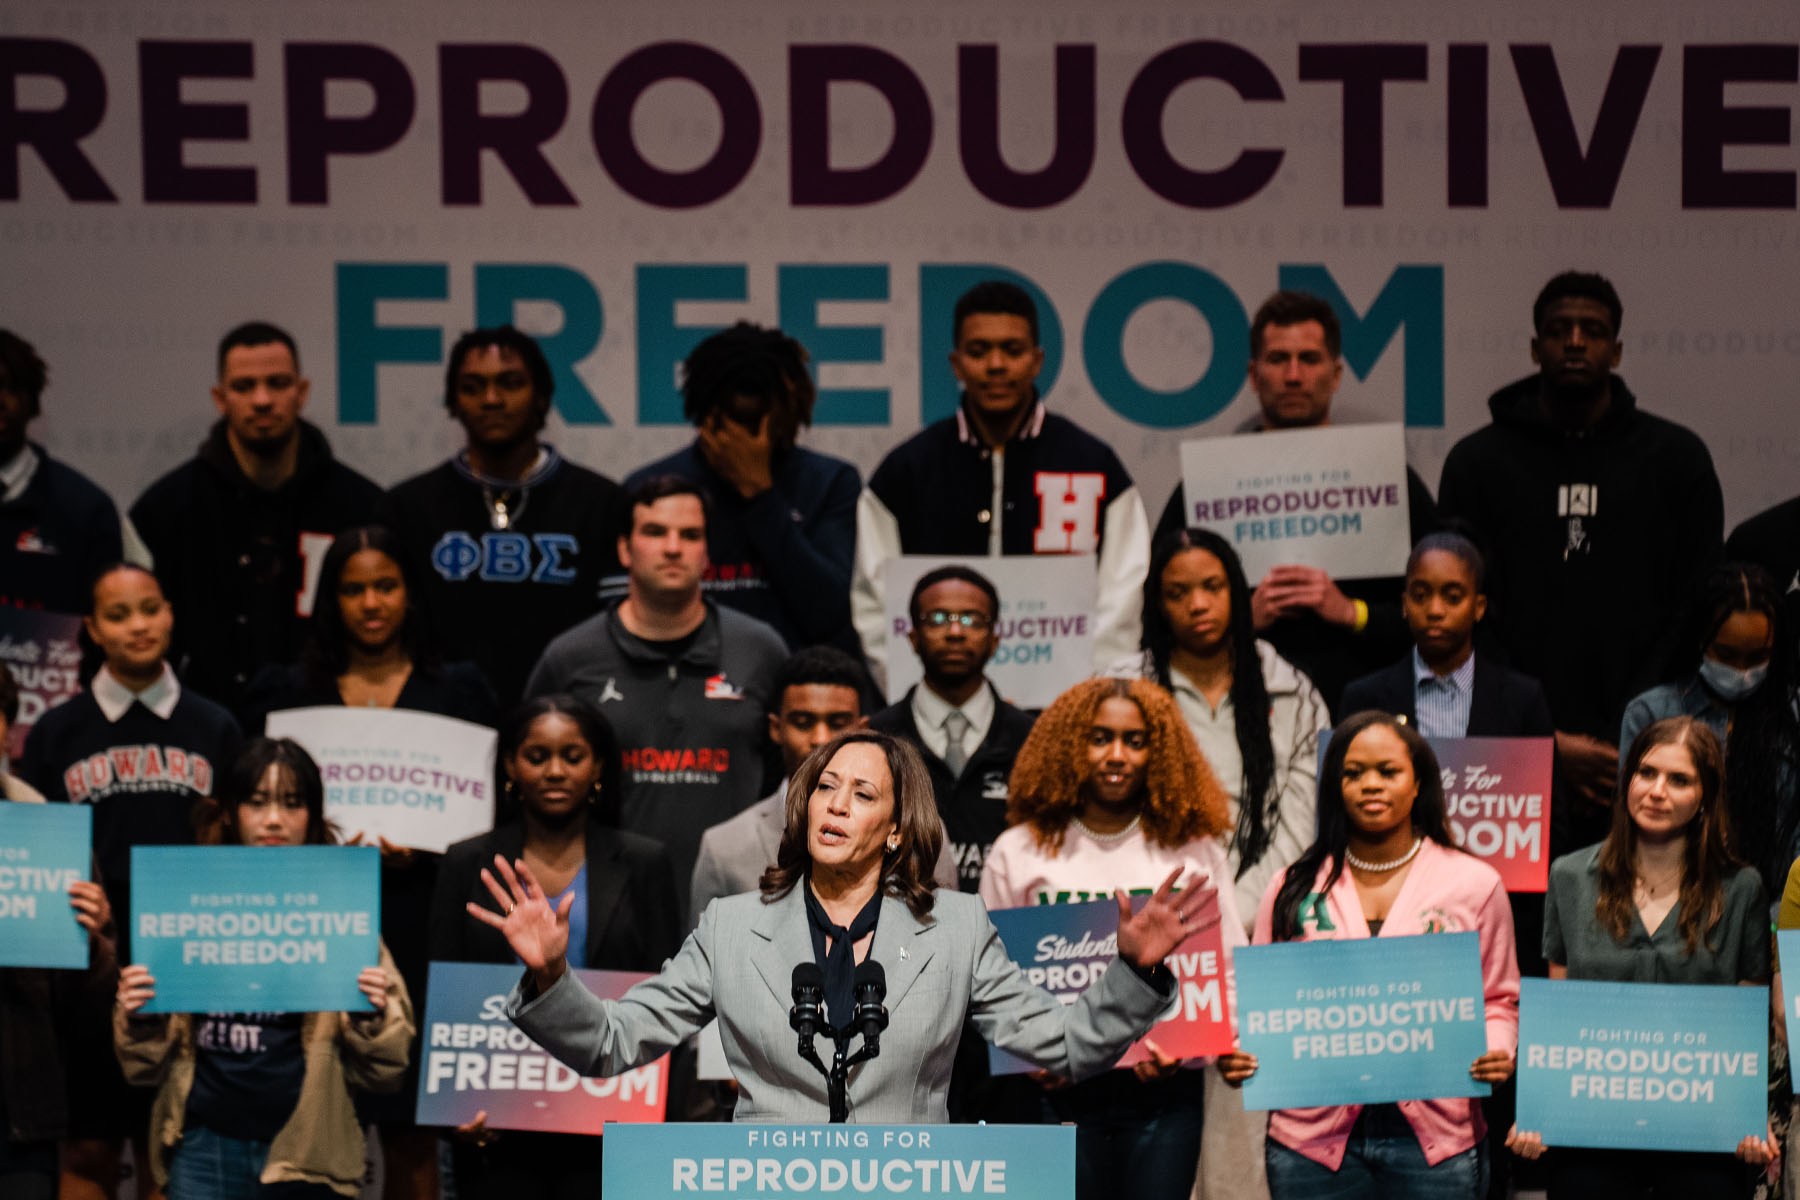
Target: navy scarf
(839, 964)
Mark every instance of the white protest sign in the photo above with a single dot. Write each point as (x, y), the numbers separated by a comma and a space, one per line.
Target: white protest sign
(1046, 623)
(1333, 498)
(414, 778)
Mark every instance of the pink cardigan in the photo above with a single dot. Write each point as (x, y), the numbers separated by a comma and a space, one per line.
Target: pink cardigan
(1445, 891)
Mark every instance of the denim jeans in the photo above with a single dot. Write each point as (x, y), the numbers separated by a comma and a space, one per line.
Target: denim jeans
(1382, 1161)
(1133, 1138)
(211, 1166)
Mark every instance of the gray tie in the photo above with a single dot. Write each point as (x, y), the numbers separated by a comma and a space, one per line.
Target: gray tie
(956, 727)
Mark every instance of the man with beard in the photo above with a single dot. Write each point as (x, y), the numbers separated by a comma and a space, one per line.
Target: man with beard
(238, 533)
(683, 680)
(1332, 631)
(966, 733)
(511, 538)
(1599, 521)
(57, 529)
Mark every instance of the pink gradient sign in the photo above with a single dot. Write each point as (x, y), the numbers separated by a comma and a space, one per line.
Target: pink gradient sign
(475, 1059)
(1065, 948)
(1497, 791)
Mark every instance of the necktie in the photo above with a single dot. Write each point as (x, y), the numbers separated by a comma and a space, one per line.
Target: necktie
(956, 728)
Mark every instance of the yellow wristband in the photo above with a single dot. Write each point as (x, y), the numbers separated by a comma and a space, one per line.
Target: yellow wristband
(1362, 617)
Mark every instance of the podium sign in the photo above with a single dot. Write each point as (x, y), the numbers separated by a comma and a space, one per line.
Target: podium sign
(652, 1161)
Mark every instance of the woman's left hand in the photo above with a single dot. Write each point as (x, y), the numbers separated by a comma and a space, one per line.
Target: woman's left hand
(1167, 919)
(1496, 1066)
(377, 985)
(1759, 1151)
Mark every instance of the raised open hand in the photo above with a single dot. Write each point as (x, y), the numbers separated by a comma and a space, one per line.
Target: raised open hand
(537, 933)
(1167, 919)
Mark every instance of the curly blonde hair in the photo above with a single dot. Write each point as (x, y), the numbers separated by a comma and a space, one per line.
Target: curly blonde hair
(1182, 799)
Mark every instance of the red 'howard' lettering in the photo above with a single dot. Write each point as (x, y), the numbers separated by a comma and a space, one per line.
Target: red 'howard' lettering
(649, 758)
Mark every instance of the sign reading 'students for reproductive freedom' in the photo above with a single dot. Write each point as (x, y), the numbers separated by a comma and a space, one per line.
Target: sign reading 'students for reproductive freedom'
(1066, 948)
(43, 652)
(1644, 1066)
(256, 928)
(43, 849)
(1333, 498)
(1362, 1021)
(475, 1059)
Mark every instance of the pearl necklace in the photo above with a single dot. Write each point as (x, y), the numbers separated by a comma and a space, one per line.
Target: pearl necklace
(1364, 865)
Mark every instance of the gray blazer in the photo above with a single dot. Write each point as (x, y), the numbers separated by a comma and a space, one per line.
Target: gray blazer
(739, 965)
(735, 853)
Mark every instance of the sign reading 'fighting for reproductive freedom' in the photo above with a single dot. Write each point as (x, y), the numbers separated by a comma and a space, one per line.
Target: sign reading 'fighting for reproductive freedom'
(477, 1060)
(1333, 498)
(1362, 1021)
(1642, 1066)
(1045, 628)
(416, 779)
(43, 849)
(256, 928)
(1066, 948)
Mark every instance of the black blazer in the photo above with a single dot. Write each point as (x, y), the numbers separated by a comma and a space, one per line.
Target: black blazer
(1505, 703)
(634, 911)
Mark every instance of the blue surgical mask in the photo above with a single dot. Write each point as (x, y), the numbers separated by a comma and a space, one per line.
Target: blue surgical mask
(1729, 683)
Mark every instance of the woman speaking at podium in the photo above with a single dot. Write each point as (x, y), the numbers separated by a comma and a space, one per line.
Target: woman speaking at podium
(851, 883)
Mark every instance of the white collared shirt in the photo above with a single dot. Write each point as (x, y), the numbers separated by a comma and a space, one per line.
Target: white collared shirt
(929, 710)
(15, 476)
(115, 699)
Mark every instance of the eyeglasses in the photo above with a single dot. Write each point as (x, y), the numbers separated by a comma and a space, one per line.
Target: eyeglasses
(937, 618)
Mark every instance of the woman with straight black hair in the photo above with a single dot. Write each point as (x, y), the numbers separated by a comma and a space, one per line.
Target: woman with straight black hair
(369, 646)
(1732, 639)
(1258, 727)
(259, 1104)
(559, 762)
(1384, 864)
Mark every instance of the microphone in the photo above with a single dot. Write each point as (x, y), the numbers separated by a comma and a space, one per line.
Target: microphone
(807, 1016)
(870, 1015)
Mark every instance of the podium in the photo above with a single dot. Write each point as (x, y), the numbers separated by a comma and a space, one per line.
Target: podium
(650, 1162)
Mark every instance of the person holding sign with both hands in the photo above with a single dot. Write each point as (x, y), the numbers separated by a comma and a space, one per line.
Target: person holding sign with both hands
(1109, 792)
(1385, 865)
(1662, 900)
(851, 884)
(245, 1098)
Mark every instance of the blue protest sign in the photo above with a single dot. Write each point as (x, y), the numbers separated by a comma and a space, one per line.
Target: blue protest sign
(476, 1060)
(43, 849)
(1362, 1021)
(652, 1161)
(1642, 1066)
(1787, 950)
(256, 928)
